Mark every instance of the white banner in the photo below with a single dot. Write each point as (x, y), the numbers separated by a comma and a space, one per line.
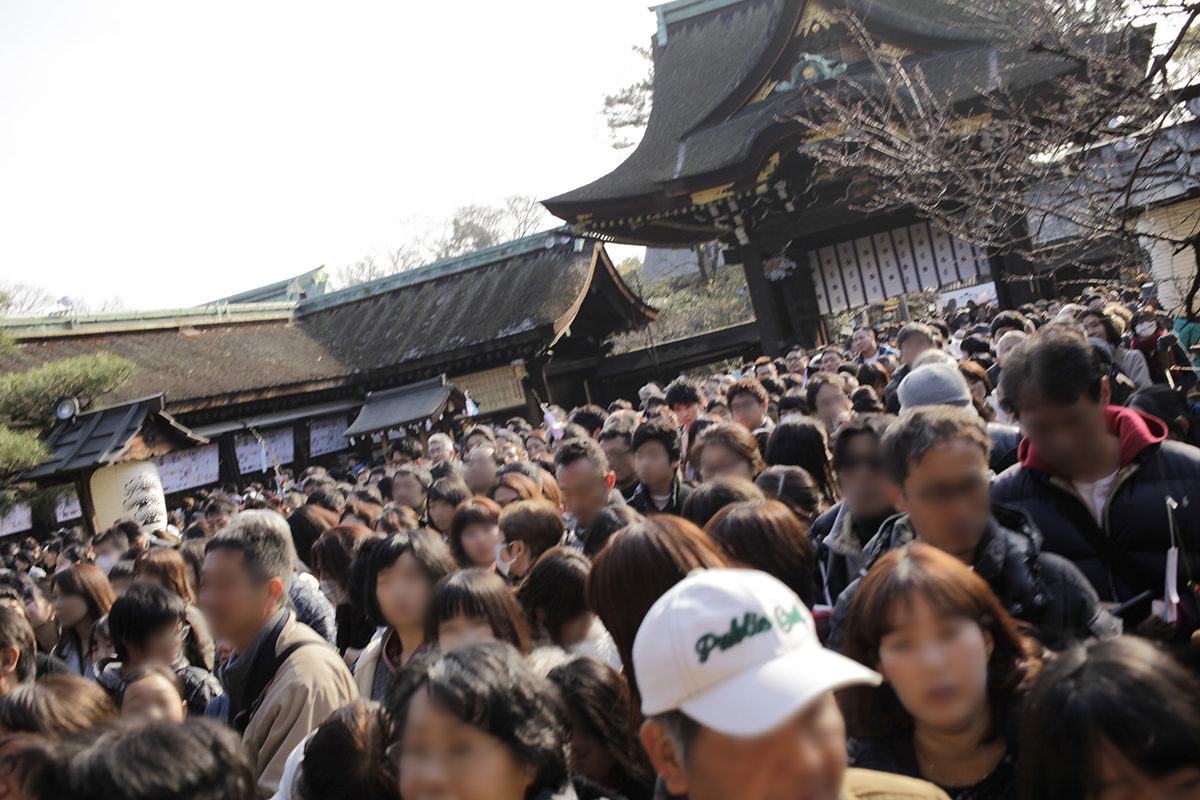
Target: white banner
(19, 518)
(67, 506)
(255, 456)
(187, 469)
(325, 436)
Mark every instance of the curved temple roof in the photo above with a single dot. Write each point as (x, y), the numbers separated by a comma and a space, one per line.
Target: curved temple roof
(718, 126)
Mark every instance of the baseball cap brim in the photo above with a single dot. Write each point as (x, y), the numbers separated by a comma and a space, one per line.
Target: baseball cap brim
(765, 696)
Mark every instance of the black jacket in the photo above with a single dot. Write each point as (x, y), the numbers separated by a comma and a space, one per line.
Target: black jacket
(643, 504)
(1042, 589)
(200, 687)
(1127, 555)
(839, 551)
(1006, 439)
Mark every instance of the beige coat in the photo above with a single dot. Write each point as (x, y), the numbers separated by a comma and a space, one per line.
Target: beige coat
(312, 684)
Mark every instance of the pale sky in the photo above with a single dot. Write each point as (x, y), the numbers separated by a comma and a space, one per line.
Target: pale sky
(171, 152)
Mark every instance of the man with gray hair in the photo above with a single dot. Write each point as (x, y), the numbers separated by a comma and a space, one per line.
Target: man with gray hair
(937, 460)
(282, 680)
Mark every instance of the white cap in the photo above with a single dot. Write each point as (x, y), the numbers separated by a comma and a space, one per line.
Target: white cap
(737, 651)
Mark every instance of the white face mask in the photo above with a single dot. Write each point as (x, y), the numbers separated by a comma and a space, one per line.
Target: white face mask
(105, 562)
(1145, 329)
(501, 564)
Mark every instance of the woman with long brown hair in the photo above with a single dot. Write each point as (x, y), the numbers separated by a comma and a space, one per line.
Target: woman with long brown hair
(81, 596)
(637, 566)
(766, 535)
(954, 666)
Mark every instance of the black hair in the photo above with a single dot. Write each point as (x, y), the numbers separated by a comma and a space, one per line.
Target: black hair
(802, 442)
(478, 593)
(591, 417)
(796, 489)
(16, 632)
(915, 329)
(873, 425)
(220, 504)
(660, 430)
(1126, 693)
(603, 525)
(683, 392)
(793, 400)
(122, 570)
(1160, 400)
(140, 613)
(1010, 319)
(344, 757)
(552, 592)
(1060, 366)
(330, 499)
(711, 496)
(615, 432)
(774, 386)
(430, 552)
(583, 449)
(114, 536)
(489, 686)
(822, 379)
(198, 759)
(421, 475)
(449, 490)
(974, 344)
(599, 698)
(922, 429)
(412, 449)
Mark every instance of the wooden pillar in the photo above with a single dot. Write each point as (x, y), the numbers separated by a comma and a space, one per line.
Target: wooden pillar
(762, 297)
(87, 505)
(804, 314)
(1009, 293)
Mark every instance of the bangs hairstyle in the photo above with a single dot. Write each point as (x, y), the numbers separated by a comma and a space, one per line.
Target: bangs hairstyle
(482, 594)
(552, 592)
(888, 593)
(476, 511)
(1126, 693)
(489, 686)
(87, 581)
(428, 550)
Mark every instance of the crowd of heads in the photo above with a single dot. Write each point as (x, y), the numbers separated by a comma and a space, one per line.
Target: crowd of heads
(735, 585)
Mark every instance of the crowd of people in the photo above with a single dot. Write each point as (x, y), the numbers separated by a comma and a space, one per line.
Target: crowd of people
(953, 559)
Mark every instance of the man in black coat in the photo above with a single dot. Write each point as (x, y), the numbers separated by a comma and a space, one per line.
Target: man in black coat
(937, 457)
(839, 535)
(1101, 482)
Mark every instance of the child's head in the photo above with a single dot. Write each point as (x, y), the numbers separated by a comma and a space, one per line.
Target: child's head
(152, 693)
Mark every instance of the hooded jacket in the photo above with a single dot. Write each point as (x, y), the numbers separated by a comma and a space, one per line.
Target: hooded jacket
(1125, 553)
(1042, 589)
